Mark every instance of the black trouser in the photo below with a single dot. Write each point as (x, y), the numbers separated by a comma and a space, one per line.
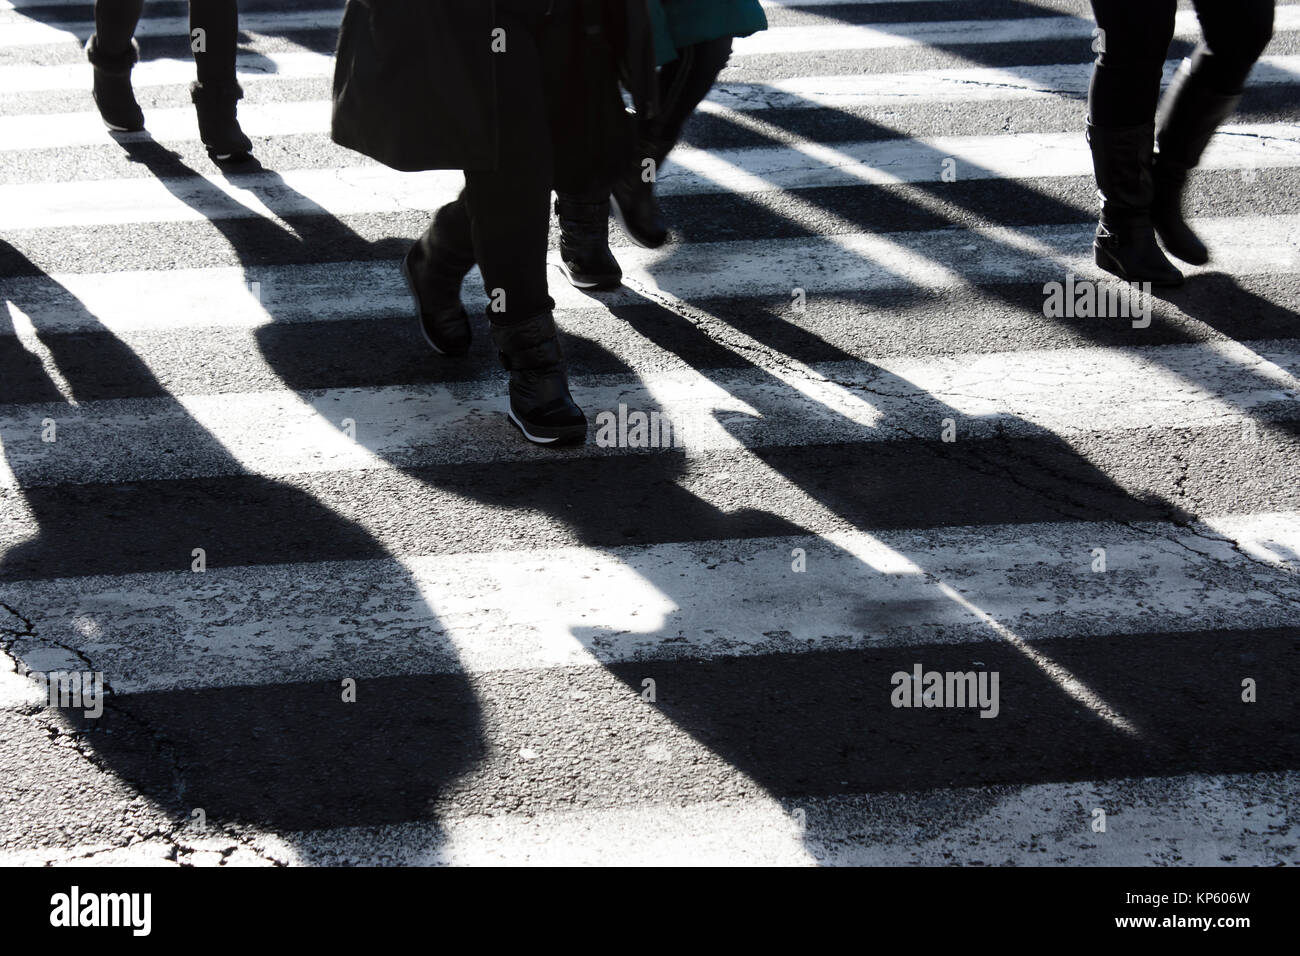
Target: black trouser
(115, 22)
(683, 84)
(558, 105)
(1126, 78)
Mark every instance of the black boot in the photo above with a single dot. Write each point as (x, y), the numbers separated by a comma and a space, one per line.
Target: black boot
(584, 243)
(634, 201)
(434, 275)
(216, 105)
(540, 404)
(113, 93)
(1189, 115)
(1126, 241)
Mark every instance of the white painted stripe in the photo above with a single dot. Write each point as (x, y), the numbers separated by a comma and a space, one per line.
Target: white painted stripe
(28, 4)
(769, 4)
(794, 4)
(21, 31)
(866, 89)
(1006, 156)
(57, 130)
(345, 191)
(251, 68)
(839, 36)
(158, 300)
(569, 605)
(970, 85)
(1194, 819)
(1067, 392)
(372, 188)
(63, 130)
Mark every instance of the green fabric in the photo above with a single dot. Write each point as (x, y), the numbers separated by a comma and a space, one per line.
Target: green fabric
(680, 23)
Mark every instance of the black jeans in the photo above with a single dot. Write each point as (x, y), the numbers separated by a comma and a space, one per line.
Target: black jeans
(115, 22)
(683, 84)
(1126, 78)
(557, 105)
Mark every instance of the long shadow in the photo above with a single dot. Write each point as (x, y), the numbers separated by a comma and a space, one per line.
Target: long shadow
(282, 750)
(806, 725)
(977, 198)
(822, 724)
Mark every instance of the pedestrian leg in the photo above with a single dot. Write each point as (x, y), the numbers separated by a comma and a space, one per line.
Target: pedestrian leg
(113, 52)
(214, 33)
(1204, 92)
(1132, 44)
(509, 216)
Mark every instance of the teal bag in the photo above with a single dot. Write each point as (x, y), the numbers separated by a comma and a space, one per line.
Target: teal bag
(681, 23)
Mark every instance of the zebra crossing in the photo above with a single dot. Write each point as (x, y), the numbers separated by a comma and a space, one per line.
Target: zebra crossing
(235, 482)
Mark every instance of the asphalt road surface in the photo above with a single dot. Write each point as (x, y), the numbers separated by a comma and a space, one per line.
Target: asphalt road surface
(342, 613)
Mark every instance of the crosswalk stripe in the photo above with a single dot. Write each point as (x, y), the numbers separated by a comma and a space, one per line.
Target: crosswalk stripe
(582, 606)
(252, 69)
(769, 4)
(840, 36)
(21, 31)
(55, 130)
(969, 84)
(500, 602)
(760, 831)
(224, 297)
(372, 188)
(1067, 392)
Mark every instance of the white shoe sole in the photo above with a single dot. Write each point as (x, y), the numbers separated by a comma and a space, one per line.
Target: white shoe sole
(579, 284)
(535, 439)
(540, 439)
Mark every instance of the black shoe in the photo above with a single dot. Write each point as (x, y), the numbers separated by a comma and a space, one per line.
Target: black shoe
(540, 404)
(1128, 249)
(635, 205)
(443, 320)
(113, 94)
(1126, 242)
(1189, 115)
(217, 105)
(584, 244)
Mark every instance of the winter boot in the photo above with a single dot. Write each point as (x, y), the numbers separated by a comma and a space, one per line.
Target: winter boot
(634, 201)
(1126, 241)
(584, 244)
(1189, 115)
(540, 404)
(216, 105)
(113, 93)
(434, 272)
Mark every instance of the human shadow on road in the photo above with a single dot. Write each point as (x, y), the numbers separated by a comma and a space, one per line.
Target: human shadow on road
(226, 688)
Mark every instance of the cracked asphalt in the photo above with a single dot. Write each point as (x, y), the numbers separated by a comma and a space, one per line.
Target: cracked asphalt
(610, 655)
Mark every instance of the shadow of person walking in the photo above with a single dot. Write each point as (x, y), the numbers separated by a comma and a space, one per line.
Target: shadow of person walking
(301, 682)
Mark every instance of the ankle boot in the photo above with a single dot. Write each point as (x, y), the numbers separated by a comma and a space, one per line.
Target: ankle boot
(635, 205)
(584, 243)
(113, 94)
(1126, 241)
(1189, 115)
(540, 404)
(434, 275)
(216, 105)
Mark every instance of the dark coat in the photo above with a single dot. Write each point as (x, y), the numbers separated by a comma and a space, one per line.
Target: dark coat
(414, 84)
